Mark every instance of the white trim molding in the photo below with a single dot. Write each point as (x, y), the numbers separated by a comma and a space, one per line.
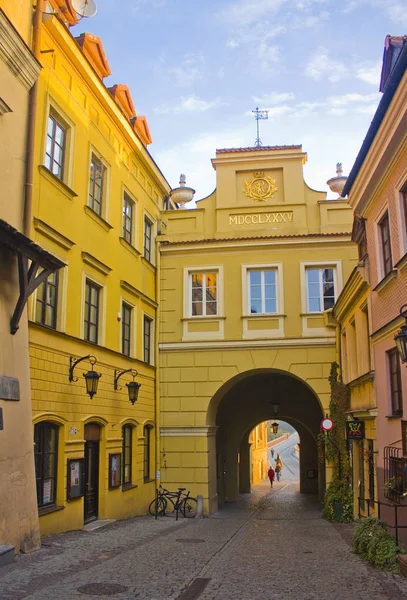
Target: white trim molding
(188, 431)
(218, 319)
(336, 265)
(247, 344)
(278, 316)
(17, 55)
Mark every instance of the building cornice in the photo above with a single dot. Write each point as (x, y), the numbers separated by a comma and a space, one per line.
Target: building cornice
(16, 54)
(188, 431)
(248, 344)
(52, 234)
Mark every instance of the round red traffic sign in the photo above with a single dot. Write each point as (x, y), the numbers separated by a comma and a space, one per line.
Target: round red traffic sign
(327, 424)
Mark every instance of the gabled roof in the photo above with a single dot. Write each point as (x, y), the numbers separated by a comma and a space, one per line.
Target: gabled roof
(140, 125)
(93, 50)
(121, 94)
(65, 10)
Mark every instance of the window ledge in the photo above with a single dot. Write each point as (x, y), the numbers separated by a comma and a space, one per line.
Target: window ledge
(382, 285)
(313, 314)
(128, 486)
(148, 264)
(148, 480)
(97, 218)
(129, 247)
(203, 318)
(263, 316)
(65, 189)
(401, 265)
(46, 510)
(399, 416)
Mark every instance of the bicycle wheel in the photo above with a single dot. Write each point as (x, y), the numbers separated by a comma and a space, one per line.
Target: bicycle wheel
(158, 506)
(188, 508)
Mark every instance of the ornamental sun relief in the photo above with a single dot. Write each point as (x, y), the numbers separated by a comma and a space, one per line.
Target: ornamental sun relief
(259, 187)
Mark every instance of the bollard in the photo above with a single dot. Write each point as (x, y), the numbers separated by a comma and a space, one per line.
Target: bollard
(199, 506)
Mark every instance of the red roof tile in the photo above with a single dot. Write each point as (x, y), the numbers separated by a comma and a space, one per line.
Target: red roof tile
(258, 149)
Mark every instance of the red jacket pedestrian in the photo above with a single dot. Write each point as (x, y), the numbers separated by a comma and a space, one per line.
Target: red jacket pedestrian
(271, 474)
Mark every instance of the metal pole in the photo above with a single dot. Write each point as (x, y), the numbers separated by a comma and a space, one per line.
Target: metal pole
(396, 525)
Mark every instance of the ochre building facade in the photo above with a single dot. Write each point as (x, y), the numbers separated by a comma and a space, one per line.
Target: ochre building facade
(247, 281)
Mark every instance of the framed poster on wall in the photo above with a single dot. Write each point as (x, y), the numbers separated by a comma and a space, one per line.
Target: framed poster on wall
(75, 481)
(115, 470)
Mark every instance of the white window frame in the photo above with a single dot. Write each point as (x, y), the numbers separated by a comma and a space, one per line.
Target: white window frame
(336, 265)
(68, 123)
(321, 291)
(102, 309)
(188, 272)
(106, 187)
(278, 268)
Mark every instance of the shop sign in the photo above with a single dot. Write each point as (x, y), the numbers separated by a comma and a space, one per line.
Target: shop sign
(355, 430)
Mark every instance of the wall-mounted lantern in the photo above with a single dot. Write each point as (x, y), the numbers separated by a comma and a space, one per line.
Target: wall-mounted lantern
(276, 407)
(91, 377)
(401, 337)
(132, 387)
(274, 427)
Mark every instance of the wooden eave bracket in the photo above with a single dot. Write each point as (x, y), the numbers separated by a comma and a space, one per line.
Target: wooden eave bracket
(28, 276)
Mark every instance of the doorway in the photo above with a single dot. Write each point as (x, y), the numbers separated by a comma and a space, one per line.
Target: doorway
(92, 441)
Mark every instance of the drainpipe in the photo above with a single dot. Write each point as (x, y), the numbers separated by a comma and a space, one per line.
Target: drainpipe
(157, 361)
(32, 114)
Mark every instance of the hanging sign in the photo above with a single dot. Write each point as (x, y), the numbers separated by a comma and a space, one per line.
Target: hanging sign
(327, 424)
(355, 430)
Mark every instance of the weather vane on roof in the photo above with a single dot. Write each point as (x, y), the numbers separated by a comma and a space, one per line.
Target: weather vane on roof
(259, 114)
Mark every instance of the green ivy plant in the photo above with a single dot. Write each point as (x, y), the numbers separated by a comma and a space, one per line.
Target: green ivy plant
(338, 504)
(372, 542)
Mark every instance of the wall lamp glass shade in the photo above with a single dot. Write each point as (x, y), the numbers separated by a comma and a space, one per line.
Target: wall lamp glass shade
(133, 389)
(401, 337)
(274, 427)
(92, 381)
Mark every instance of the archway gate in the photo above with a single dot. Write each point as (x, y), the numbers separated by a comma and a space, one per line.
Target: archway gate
(210, 400)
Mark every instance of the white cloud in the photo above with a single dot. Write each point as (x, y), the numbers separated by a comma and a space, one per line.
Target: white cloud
(246, 12)
(267, 55)
(138, 6)
(347, 99)
(369, 74)
(188, 72)
(189, 104)
(231, 43)
(322, 66)
(273, 98)
(395, 10)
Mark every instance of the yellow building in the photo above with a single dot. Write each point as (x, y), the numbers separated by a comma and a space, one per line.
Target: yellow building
(352, 312)
(96, 206)
(245, 279)
(19, 71)
(258, 452)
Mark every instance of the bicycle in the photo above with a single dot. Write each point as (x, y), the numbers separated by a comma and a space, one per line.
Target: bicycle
(169, 502)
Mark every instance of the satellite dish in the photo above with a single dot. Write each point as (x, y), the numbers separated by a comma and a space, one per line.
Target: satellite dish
(85, 8)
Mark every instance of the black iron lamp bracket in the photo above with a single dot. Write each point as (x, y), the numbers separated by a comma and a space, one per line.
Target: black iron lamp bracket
(118, 374)
(73, 362)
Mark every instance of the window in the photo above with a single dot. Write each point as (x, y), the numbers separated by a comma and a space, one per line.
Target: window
(128, 205)
(127, 453)
(147, 452)
(92, 308)
(96, 184)
(320, 289)
(203, 294)
(370, 448)
(361, 474)
(147, 339)
(126, 329)
(385, 244)
(46, 459)
(404, 211)
(395, 382)
(46, 302)
(148, 228)
(55, 147)
(263, 292)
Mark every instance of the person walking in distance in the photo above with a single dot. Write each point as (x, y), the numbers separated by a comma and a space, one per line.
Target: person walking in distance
(279, 466)
(271, 475)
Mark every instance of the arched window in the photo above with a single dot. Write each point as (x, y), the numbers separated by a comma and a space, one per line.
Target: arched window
(46, 462)
(127, 433)
(147, 452)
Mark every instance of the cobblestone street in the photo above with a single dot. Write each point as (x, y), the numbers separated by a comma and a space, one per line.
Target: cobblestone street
(272, 544)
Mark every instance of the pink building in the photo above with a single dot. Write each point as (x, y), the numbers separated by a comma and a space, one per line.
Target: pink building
(377, 190)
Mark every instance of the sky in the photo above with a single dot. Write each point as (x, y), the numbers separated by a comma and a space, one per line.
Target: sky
(197, 69)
